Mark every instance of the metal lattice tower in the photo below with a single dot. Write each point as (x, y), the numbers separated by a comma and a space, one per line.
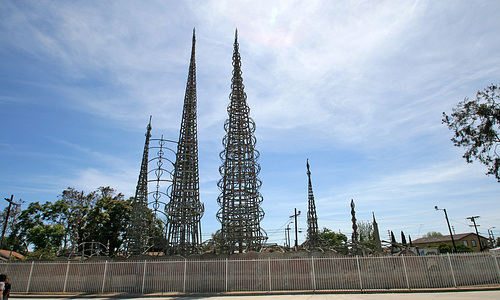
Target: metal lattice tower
(313, 238)
(137, 232)
(240, 213)
(184, 211)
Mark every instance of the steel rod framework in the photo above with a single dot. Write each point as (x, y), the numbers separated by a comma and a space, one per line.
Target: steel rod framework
(240, 212)
(313, 238)
(184, 211)
(142, 233)
(137, 242)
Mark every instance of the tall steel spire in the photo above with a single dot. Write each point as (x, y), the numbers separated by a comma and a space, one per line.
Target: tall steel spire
(137, 232)
(240, 213)
(313, 239)
(184, 211)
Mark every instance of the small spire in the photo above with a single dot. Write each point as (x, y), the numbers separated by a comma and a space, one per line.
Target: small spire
(149, 127)
(236, 35)
(307, 164)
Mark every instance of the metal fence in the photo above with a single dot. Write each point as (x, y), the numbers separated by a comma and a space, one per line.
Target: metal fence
(225, 275)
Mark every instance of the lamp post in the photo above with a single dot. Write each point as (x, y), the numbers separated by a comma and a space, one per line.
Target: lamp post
(449, 227)
(491, 236)
(287, 234)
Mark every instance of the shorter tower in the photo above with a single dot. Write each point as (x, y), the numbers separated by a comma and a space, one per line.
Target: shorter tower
(313, 238)
(137, 241)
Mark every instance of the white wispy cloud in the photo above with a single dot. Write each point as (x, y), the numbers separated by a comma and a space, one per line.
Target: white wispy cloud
(323, 79)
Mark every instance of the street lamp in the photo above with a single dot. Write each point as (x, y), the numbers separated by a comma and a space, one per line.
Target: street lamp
(296, 230)
(287, 234)
(491, 236)
(449, 227)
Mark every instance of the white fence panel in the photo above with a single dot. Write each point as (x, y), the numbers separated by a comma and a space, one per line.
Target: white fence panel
(212, 276)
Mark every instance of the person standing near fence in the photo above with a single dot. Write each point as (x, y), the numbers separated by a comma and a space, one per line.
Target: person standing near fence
(6, 291)
(3, 278)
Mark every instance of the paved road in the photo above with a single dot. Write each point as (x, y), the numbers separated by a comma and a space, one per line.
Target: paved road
(405, 296)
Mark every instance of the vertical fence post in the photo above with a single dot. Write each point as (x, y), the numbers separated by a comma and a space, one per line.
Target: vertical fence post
(29, 278)
(451, 268)
(269, 272)
(143, 277)
(496, 265)
(227, 275)
(185, 274)
(66, 278)
(359, 274)
(313, 275)
(406, 273)
(104, 277)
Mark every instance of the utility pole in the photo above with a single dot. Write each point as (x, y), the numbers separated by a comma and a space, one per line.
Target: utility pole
(7, 217)
(449, 227)
(296, 229)
(473, 219)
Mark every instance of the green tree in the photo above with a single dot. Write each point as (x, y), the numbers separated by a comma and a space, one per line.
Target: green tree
(432, 234)
(15, 210)
(333, 238)
(463, 248)
(476, 125)
(445, 248)
(29, 218)
(107, 221)
(78, 205)
(448, 248)
(365, 232)
(76, 217)
(46, 237)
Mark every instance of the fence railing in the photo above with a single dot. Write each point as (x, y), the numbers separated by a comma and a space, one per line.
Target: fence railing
(226, 275)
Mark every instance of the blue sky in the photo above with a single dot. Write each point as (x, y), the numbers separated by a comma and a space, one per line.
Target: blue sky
(358, 87)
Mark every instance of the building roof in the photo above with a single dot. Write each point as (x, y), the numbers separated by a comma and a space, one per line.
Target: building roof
(443, 238)
(5, 254)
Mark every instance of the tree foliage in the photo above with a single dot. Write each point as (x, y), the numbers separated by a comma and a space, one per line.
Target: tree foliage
(365, 232)
(15, 211)
(107, 221)
(448, 248)
(48, 237)
(99, 217)
(476, 125)
(432, 234)
(332, 238)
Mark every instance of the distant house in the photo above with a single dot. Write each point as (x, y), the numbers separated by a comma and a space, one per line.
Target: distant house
(468, 239)
(6, 255)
